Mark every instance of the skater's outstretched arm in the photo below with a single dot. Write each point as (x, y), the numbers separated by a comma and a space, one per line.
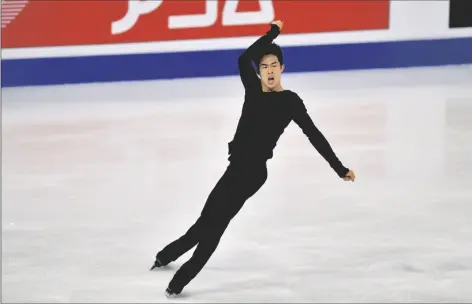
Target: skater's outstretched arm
(246, 69)
(317, 139)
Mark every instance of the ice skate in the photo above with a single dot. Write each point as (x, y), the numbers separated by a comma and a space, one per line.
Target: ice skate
(170, 293)
(157, 264)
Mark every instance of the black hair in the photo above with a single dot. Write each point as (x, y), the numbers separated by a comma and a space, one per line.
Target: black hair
(270, 49)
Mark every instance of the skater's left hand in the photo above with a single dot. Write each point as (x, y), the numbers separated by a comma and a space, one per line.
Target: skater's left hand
(350, 176)
(279, 23)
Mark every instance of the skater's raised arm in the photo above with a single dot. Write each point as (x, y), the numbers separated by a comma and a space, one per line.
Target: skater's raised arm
(317, 139)
(246, 70)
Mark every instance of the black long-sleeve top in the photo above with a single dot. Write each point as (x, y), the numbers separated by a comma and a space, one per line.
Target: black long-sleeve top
(265, 115)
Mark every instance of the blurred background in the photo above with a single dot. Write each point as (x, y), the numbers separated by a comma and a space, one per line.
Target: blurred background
(115, 121)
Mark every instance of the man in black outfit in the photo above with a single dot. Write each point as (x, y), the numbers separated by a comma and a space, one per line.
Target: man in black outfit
(267, 111)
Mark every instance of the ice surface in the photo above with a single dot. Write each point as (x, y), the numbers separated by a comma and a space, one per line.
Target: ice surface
(97, 178)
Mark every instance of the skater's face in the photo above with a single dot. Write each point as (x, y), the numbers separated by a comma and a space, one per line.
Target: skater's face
(270, 71)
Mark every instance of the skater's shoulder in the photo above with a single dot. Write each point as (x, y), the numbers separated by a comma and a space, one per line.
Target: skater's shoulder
(293, 95)
(290, 93)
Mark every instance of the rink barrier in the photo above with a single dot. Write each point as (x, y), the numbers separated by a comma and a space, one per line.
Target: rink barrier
(317, 58)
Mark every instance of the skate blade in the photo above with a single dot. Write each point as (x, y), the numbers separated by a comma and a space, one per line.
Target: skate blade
(157, 264)
(170, 294)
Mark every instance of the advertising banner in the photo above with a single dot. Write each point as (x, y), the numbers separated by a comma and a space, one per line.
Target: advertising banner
(33, 23)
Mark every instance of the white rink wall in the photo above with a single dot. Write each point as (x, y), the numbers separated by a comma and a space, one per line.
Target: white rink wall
(418, 34)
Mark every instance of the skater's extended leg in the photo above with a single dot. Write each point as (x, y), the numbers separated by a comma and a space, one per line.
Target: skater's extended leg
(187, 241)
(205, 248)
(229, 198)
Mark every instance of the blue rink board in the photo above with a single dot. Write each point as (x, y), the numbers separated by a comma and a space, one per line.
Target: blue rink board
(134, 67)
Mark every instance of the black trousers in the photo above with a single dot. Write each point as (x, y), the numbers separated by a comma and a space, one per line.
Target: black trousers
(239, 182)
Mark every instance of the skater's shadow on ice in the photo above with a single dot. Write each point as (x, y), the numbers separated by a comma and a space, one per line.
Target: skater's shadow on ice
(236, 287)
(182, 296)
(166, 268)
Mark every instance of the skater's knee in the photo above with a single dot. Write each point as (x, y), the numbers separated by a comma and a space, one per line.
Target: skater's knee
(211, 239)
(204, 251)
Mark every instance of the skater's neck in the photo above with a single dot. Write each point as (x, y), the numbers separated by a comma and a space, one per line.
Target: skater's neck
(277, 88)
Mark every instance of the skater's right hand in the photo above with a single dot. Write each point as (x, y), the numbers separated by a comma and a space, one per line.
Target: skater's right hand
(350, 176)
(279, 23)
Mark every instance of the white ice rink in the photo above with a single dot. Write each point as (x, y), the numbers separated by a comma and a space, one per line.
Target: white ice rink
(97, 178)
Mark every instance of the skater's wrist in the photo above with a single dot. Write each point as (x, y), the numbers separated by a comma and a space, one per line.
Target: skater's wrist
(341, 171)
